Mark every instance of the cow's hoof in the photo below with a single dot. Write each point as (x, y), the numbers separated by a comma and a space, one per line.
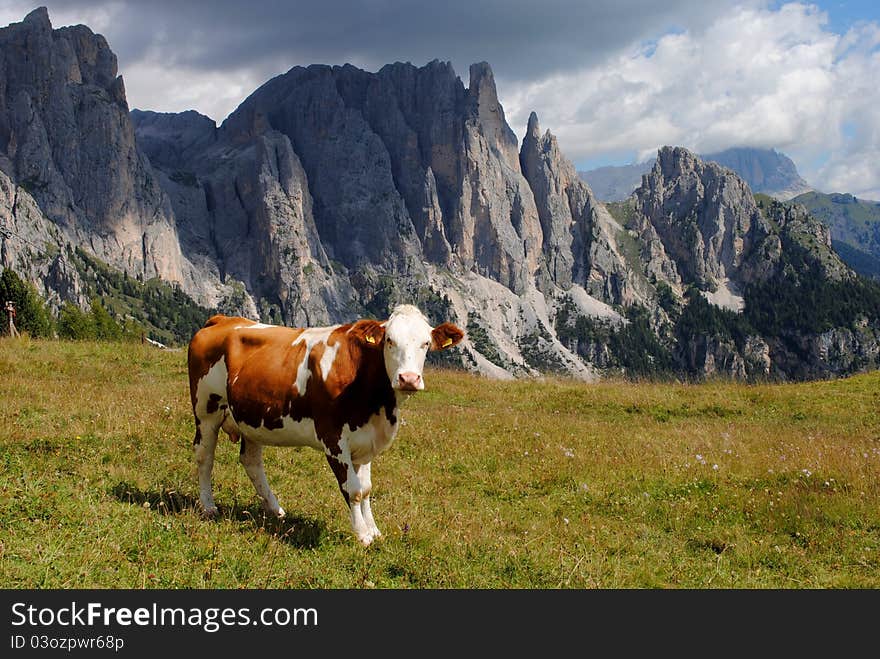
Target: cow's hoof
(275, 512)
(210, 513)
(366, 539)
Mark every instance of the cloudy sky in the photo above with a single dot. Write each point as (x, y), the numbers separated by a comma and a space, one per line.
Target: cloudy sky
(613, 79)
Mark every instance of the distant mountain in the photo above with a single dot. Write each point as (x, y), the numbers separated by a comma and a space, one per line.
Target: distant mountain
(616, 183)
(765, 170)
(854, 224)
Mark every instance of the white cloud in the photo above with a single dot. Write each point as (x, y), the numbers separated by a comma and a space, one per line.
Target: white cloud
(98, 17)
(755, 77)
(150, 85)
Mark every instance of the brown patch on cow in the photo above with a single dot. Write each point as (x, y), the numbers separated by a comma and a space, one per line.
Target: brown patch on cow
(262, 390)
(445, 336)
(353, 350)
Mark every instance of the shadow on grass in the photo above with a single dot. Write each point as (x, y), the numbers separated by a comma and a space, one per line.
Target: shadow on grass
(301, 532)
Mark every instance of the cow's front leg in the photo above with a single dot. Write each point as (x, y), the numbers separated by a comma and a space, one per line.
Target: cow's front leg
(352, 490)
(363, 472)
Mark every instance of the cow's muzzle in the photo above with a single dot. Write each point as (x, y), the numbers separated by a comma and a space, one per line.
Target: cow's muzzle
(409, 382)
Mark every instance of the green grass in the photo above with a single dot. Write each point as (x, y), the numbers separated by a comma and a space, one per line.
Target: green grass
(490, 485)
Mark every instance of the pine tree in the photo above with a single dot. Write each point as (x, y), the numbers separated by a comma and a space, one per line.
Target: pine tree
(32, 316)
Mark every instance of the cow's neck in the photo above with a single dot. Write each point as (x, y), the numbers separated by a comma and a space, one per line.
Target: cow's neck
(372, 389)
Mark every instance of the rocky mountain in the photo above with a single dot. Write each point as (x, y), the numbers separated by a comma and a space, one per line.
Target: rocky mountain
(765, 170)
(332, 193)
(404, 183)
(66, 140)
(781, 299)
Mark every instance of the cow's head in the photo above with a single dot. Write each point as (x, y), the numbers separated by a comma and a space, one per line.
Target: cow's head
(405, 339)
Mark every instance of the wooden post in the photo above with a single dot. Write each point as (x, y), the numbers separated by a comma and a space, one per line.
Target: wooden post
(10, 312)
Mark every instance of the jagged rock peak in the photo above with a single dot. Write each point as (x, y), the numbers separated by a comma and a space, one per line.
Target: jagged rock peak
(434, 66)
(65, 133)
(547, 142)
(675, 160)
(482, 78)
(705, 215)
(487, 110)
(39, 17)
(533, 128)
(484, 94)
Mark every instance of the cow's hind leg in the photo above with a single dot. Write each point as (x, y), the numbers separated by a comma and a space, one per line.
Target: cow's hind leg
(251, 458)
(205, 443)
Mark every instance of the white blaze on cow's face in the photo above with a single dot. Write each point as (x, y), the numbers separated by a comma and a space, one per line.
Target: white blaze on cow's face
(407, 340)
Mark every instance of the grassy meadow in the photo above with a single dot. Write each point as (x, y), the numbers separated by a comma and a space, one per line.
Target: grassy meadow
(525, 484)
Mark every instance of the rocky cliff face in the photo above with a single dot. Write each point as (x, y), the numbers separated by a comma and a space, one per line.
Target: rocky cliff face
(399, 183)
(706, 218)
(397, 179)
(580, 236)
(35, 247)
(65, 137)
(773, 257)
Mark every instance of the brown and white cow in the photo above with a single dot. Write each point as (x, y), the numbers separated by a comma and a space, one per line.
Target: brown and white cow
(336, 389)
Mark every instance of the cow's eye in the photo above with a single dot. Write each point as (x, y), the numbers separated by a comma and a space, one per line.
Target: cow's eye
(426, 344)
(389, 342)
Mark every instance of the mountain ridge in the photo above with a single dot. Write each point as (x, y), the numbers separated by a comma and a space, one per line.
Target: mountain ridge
(854, 224)
(766, 171)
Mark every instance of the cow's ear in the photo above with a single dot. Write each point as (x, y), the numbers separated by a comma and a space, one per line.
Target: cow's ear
(445, 336)
(369, 333)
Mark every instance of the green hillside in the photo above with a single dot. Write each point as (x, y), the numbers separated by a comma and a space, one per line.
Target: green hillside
(855, 227)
